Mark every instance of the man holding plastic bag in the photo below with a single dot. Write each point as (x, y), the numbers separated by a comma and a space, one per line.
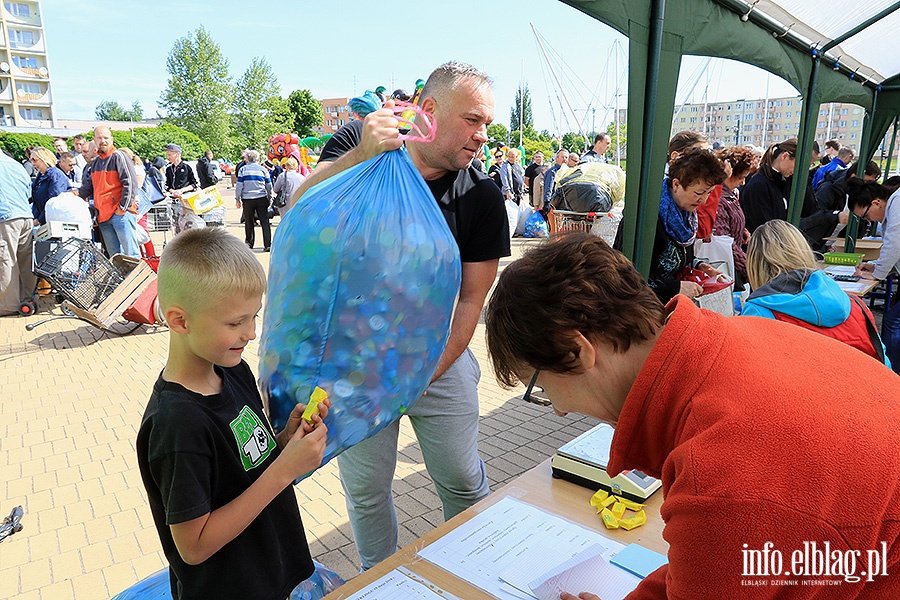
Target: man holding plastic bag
(445, 418)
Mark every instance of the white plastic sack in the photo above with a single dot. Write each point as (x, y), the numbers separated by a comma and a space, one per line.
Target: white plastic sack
(67, 208)
(524, 211)
(512, 214)
(717, 252)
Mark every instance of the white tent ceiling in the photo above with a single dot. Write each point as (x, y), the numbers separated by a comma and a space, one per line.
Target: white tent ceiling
(870, 52)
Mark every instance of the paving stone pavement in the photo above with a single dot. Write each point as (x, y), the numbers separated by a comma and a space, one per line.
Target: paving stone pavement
(71, 400)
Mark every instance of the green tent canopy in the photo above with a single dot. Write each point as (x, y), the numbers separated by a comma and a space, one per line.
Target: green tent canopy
(828, 57)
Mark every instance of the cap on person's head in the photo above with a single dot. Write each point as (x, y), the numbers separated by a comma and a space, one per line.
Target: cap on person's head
(400, 94)
(173, 148)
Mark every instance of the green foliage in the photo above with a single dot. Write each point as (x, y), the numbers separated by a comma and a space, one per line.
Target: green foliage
(497, 132)
(523, 103)
(150, 142)
(533, 145)
(110, 110)
(573, 141)
(15, 143)
(258, 111)
(305, 112)
(622, 141)
(199, 94)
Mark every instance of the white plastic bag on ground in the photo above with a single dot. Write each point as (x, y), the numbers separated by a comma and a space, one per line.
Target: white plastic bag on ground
(512, 213)
(524, 211)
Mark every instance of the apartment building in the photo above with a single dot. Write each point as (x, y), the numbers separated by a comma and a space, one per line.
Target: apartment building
(25, 96)
(761, 123)
(335, 114)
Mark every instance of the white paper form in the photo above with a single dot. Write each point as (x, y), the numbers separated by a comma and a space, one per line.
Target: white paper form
(586, 572)
(401, 584)
(514, 540)
(853, 286)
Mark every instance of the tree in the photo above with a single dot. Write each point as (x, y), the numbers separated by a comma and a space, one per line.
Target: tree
(259, 111)
(497, 133)
(573, 142)
(305, 112)
(110, 110)
(198, 94)
(622, 142)
(523, 103)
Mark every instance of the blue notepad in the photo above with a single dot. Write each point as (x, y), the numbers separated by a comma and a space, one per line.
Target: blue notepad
(638, 560)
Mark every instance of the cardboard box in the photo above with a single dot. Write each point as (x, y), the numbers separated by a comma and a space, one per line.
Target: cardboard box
(61, 231)
(203, 201)
(870, 249)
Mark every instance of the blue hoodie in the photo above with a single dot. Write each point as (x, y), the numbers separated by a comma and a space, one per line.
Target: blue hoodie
(809, 296)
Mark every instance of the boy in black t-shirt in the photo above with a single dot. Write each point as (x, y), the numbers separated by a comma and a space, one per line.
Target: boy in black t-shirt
(217, 477)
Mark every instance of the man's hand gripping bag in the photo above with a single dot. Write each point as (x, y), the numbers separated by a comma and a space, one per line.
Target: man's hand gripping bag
(362, 283)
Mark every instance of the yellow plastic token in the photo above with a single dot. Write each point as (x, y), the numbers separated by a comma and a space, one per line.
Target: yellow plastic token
(313, 407)
(618, 510)
(598, 498)
(631, 522)
(630, 505)
(608, 502)
(609, 520)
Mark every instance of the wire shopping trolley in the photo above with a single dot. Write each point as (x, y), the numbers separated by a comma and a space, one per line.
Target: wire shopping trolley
(96, 289)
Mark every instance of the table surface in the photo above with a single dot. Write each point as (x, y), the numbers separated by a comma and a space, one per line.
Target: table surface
(537, 487)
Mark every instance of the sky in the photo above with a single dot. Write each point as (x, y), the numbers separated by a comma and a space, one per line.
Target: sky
(117, 49)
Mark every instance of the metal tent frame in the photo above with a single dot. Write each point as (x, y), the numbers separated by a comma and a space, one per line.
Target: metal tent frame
(789, 38)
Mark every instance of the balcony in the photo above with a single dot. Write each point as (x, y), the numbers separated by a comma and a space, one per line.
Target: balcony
(30, 72)
(32, 18)
(35, 47)
(6, 94)
(34, 99)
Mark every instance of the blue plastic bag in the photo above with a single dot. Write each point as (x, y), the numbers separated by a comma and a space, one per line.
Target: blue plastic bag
(322, 582)
(536, 226)
(362, 282)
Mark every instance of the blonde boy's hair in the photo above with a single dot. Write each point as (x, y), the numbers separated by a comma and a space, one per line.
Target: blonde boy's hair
(206, 264)
(776, 247)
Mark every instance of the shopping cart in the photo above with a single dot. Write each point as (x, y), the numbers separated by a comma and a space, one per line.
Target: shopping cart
(96, 289)
(161, 218)
(603, 225)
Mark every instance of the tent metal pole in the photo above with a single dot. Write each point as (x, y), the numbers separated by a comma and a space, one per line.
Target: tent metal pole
(804, 143)
(657, 16)
(870, 21)
(890, 156)
(865, 155)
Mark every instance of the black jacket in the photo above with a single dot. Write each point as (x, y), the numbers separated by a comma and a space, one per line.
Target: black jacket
(205, 172)
(764, 198)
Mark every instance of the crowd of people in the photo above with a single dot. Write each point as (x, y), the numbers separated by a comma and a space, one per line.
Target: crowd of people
(737, 416)
(115, 183)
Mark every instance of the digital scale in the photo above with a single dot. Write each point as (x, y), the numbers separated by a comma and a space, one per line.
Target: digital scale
(584, 459)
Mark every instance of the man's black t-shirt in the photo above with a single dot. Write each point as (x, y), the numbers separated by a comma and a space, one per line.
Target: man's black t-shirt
(531, 172)
(198, 453)
(472, 205)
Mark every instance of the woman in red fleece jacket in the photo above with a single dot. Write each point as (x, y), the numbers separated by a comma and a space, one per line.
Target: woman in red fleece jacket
(759, 448)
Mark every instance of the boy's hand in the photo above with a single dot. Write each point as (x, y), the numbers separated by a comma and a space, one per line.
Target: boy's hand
(295, 422)
(304, 451)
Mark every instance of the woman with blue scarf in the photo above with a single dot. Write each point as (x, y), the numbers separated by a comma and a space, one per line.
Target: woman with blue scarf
(692, 176)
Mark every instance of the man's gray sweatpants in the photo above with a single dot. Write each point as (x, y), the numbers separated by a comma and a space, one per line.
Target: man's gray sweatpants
(445, 421)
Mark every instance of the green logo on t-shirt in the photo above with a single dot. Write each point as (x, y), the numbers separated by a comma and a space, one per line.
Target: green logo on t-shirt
(255, 443)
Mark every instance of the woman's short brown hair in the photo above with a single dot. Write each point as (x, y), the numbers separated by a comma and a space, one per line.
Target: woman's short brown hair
(697, 164)
(572, 283)
(740, 158)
